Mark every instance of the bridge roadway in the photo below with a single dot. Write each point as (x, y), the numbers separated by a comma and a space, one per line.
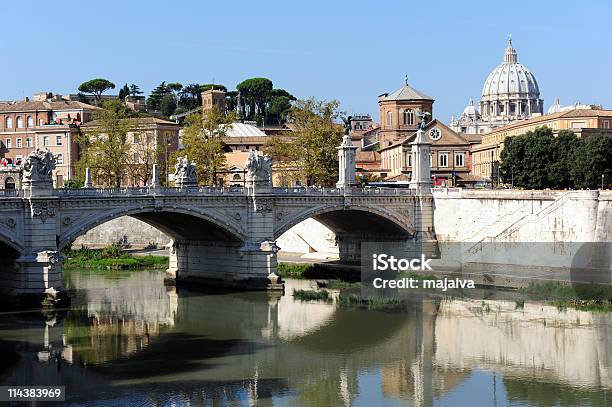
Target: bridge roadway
(221, 236)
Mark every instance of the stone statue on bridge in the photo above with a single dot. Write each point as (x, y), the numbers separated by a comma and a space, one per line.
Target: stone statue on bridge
(185, 173)
(38, 167)
(259, 169)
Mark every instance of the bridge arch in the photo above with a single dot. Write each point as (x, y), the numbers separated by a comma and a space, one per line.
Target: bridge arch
(353, 219)
(9, 241)
(178, 222)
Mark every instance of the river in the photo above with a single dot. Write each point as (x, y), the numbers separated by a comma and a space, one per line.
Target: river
(129, 340)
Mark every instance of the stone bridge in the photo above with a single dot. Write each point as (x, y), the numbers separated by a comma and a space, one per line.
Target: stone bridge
(222, 236)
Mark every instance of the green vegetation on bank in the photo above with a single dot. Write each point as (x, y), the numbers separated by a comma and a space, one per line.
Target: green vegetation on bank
(312, 295)
(110, 257)
(355, 300)
(584, 297)
(315, 271)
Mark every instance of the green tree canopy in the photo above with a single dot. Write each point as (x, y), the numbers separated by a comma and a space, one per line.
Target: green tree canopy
(279, 106)
(105, 148)
(254, 94)
(310, 155)
(168, 105)
(590, 160)
(539, 160)
(135, 90)
(203, 143)
(96, 87)
(154, 100)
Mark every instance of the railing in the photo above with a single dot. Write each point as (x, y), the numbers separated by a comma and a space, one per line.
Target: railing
(139, 191)
(313, 191)
(217, 191)
(10, 192)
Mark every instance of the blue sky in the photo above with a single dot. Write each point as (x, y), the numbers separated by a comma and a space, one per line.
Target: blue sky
(349, 51)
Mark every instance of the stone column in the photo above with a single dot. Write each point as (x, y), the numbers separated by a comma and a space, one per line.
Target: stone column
(39, 278)
(88, 183)
(155, 183)
(421, 168)
(346, 164)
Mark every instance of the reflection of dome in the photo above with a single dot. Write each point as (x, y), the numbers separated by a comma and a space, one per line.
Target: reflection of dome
(471, 110)
(511, 78)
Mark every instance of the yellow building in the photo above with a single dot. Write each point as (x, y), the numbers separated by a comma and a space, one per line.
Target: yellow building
(582, 121)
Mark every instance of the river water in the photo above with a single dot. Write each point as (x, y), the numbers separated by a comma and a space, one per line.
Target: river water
(128, 340)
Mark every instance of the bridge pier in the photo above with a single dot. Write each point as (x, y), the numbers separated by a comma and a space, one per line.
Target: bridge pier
(36, 276)
(231, 265)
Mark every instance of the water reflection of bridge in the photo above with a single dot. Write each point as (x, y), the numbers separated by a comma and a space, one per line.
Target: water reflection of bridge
(258, 345)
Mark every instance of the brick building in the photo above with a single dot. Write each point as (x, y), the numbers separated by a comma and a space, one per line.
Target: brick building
(45, 124)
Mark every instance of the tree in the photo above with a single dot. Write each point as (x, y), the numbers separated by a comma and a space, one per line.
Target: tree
(146, 153)
(254, 94)
(203, 143)
(167, 105)
(189, 96)
(96, 87)
(175, 88)
(104, 145)
(525, 159)
(590, 160)
(124, 92)
(278, 106)
(310, 155)
(537, 160)
(154, 100)
(559, 168)
(135, 90)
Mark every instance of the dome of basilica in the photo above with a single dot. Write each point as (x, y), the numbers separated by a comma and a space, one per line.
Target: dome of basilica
(471, 110)
(510, 78)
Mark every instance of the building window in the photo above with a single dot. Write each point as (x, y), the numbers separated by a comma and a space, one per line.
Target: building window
(431, 160)
(9, 123)
(409, 159)
(459, 159)
(9, 183)
(9, 143)
(30, 121)
(578, 125)
(60, 159)
(136, 158)
(19, 122)
(19, 145)
(45, 140)
(58, 140)
(606, 124)
(443, 159)
(28, 142)
(136, 138)
(389, 119)
(408, 117)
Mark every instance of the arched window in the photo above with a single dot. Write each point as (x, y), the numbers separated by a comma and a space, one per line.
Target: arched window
(237, 177)
(408, 117)
(19, 122)
(30, 121)
(9, 122)
(389, 119)
(9, 183)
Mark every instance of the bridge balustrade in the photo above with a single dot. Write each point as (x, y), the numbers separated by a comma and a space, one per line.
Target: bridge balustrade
(10, 193)
(207, 190)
